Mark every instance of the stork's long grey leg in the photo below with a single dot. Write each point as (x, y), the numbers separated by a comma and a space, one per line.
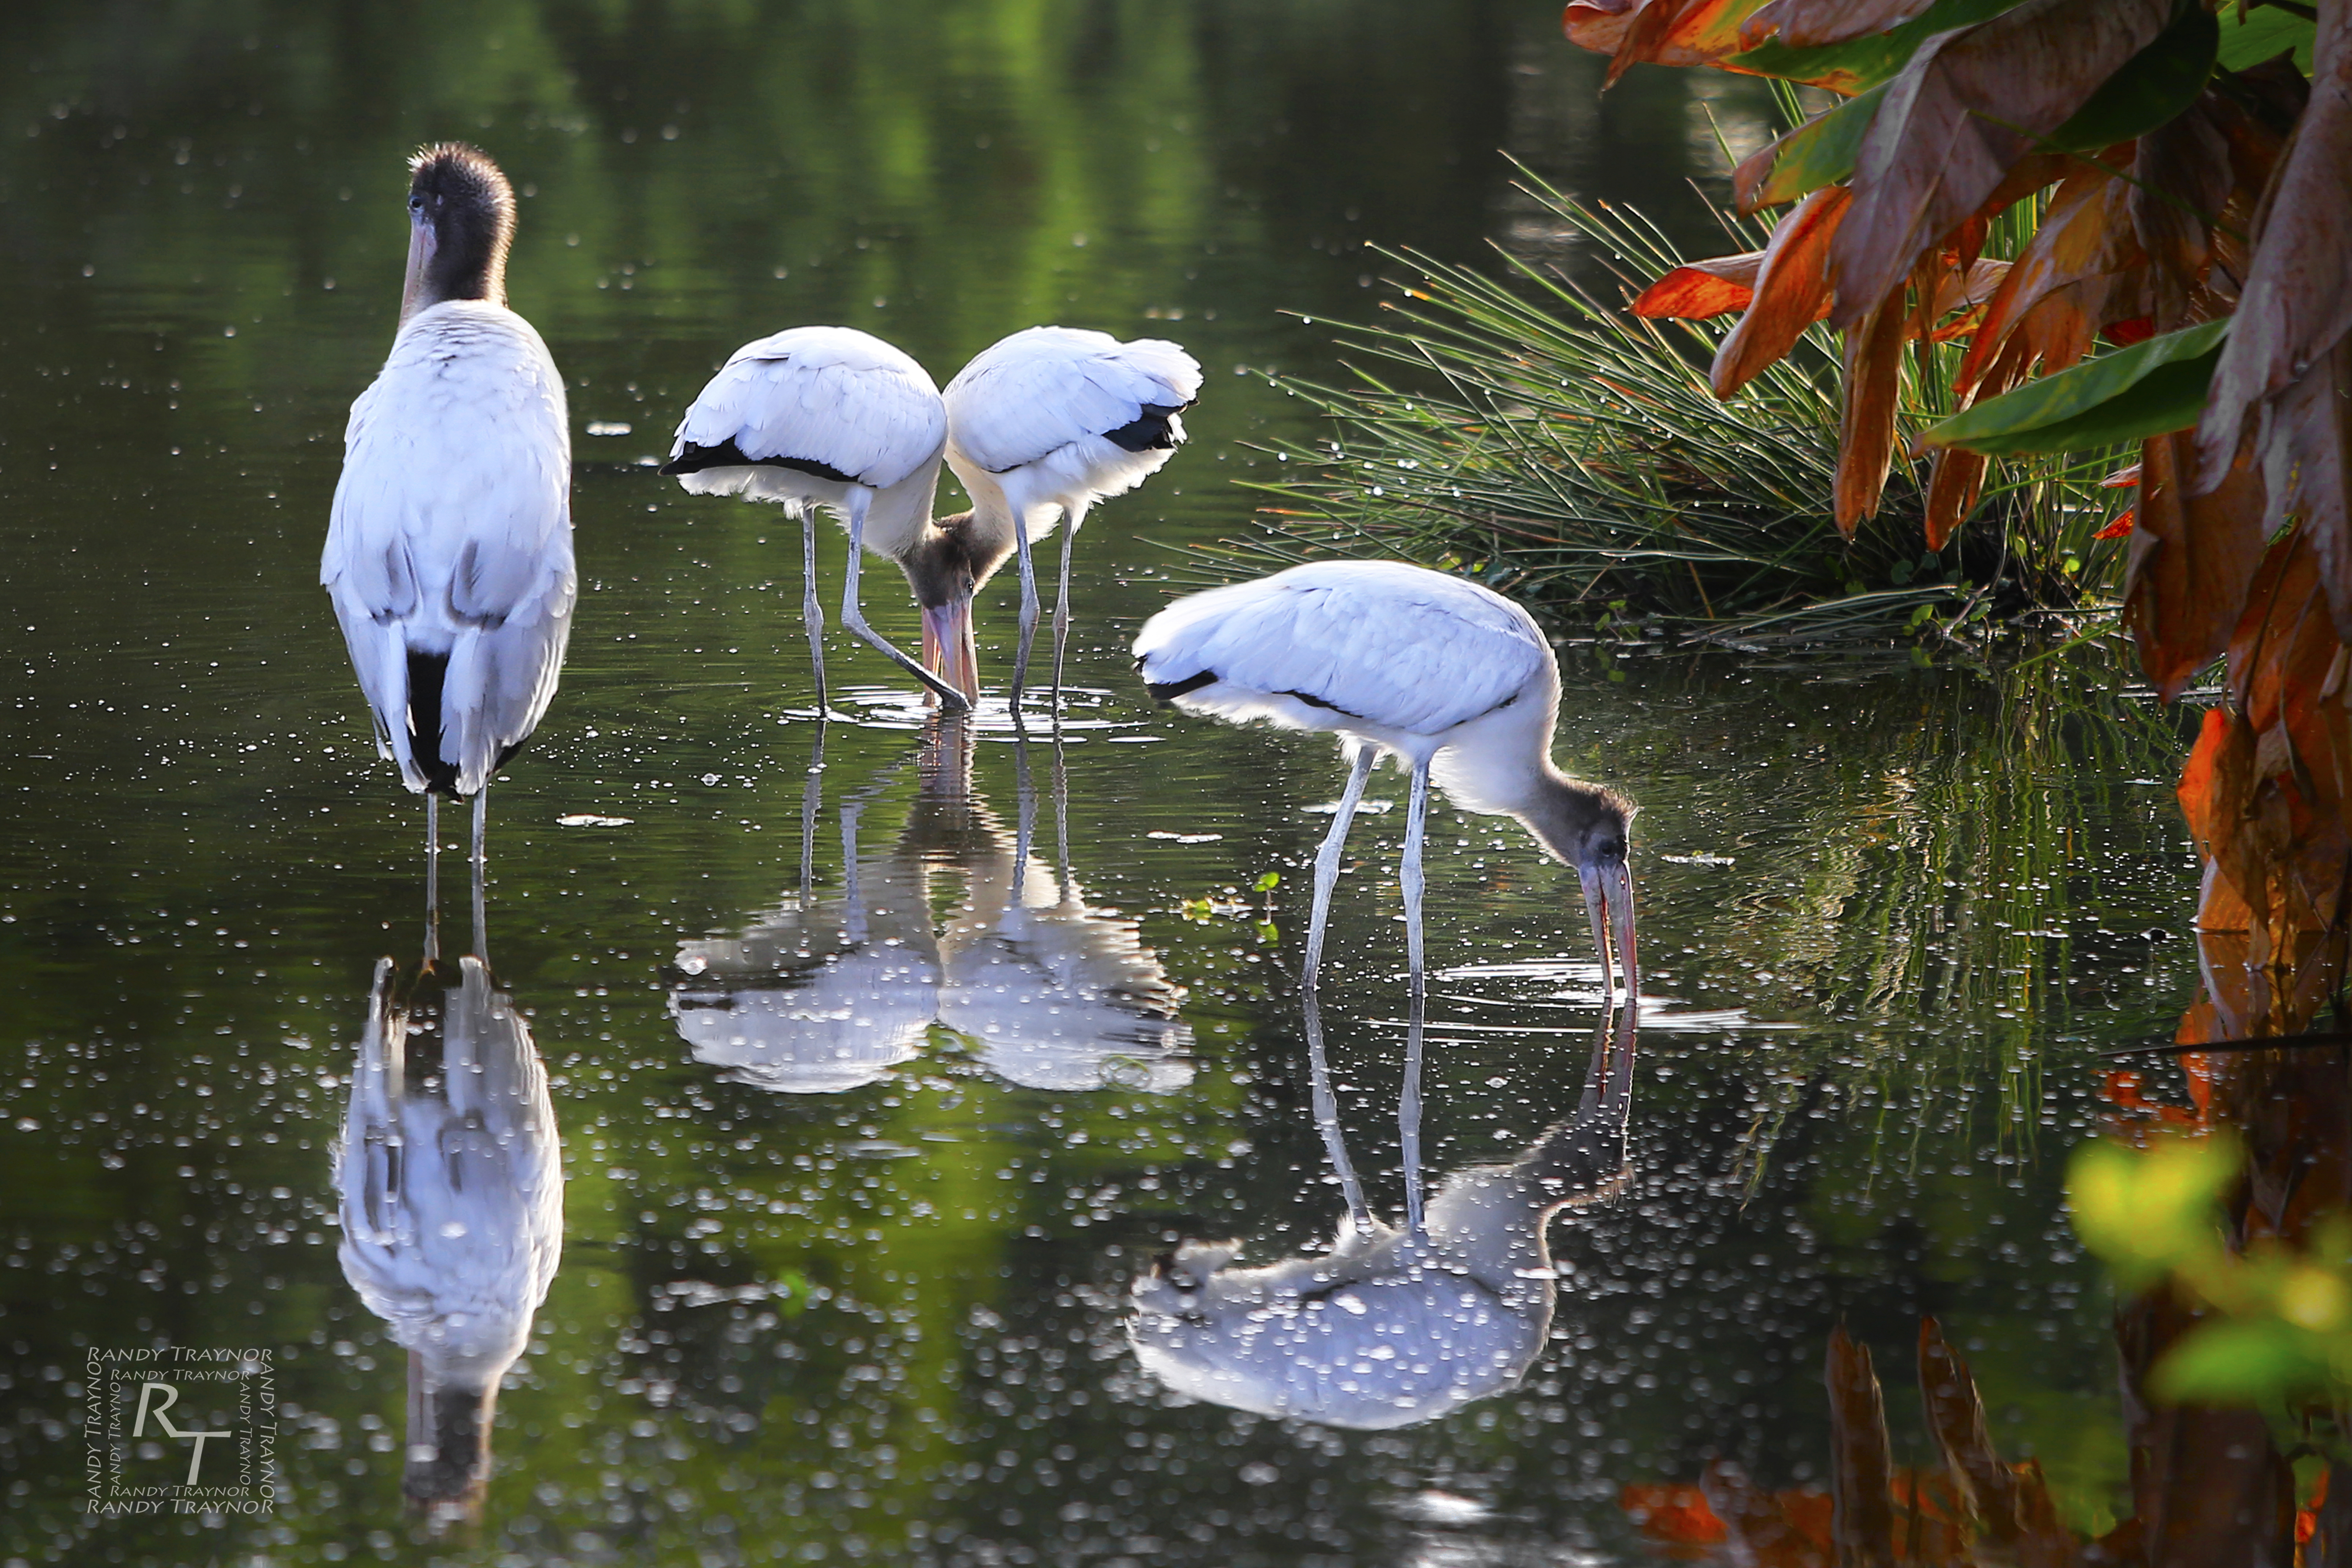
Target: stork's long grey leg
(1028, 604)
(481, 872)
(1327, 1121)
(1327, 859)
(432, 878)
(1076, 515)
(1409, 1115)
(813, 612)
(1024, 829)
(1417, 823)
(812, 795)
(1062, 883)
(855, 619)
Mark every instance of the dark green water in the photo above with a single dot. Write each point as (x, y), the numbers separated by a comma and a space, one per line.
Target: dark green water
(1889, 915)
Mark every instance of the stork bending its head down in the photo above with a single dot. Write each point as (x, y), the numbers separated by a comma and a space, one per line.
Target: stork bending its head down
(1448, 677)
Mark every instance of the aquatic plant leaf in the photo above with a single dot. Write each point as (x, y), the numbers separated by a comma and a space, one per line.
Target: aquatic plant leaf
(1861, 1472)
(2148, 1212)
(1988, 1489)
(1699, 291)
(1859, 63)
(2294, 307)
(2153, 86)
(2192, 560)
(1873, 368)
(2253, 34)
(1659, 32)
(1792, 292)
(1960, 116)
(2147, 389)
(1819, 153)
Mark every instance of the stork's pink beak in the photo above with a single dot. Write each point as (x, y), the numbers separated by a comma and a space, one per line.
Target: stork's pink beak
(1609, 901)
(949, 651)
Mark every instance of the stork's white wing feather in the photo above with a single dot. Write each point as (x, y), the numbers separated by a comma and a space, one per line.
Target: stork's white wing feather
(1041, 389)
(1406, 648)
(823, 395)
(451, 531)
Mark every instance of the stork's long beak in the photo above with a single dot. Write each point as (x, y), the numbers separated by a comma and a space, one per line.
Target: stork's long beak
(422, 241)
(1609, 901)
(949, 650)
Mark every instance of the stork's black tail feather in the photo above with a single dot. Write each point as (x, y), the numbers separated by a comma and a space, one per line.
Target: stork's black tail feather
(727, 455)
(426, 671)
(1155, 431)
(1169, 690)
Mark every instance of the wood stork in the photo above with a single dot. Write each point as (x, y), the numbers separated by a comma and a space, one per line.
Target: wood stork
(1440, 673)
(1390, 1328)
(448, 553)
(1048, 422)
(836, 418)
(452, 1213)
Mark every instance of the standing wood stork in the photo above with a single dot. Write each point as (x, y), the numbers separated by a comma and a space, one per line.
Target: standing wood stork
(1440, 673)
(834, 418)
(1390, 1328)
(1041, 426)
(452, 1214)
(448, 553)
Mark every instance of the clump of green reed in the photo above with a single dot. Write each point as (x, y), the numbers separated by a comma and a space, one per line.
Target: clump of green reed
(1527, 431)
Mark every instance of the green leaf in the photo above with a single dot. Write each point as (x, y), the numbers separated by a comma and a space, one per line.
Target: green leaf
(2262, 32)
(2153, 86)
(2239, 1362)
(1820, 151)
(1268, 882)
(2145, 1213)
(1862, 63)
(2143, 390)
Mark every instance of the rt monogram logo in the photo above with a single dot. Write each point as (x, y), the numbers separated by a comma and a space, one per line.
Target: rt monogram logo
(171, 1397)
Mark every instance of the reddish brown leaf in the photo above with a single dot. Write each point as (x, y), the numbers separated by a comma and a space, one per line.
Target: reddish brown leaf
(2306, 459)
(1874, 363)
(2193, 559)
(2010, 1506)
(1863, 1524)
(1808, 24)
(2295, 308)
(1697, 290)
(2210, 1487)
(2084, 235)
(1942, 141)
(1791, 291)
(2217, 796)
(1664, 32)
(1772, 1530)
(2184, 173)
(2121, 526)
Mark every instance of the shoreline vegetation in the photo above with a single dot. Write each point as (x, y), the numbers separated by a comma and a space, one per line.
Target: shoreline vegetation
(1527, 431)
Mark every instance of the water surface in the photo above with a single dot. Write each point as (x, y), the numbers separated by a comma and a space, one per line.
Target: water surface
(852, 1198)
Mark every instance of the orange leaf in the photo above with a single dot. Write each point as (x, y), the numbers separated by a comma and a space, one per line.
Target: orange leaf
(1791, 290)
(1697, 290)
(1664, 32)
(1676, 1515)
(2085, 233)
(1942, 141)
(2121, 526)
(1863, 1522)
(1874, 363)
(2294, 307)
(2193, 559)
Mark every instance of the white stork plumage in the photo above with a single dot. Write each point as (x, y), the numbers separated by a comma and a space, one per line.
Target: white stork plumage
(1045, 423)
(1441, 674)
(1390, 1328)
(835, 419)
(452, 1213)
(448, 554)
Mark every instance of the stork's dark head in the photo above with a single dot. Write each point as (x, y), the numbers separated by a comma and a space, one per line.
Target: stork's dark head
(461, 218)
(954, 557)
(1590, 829)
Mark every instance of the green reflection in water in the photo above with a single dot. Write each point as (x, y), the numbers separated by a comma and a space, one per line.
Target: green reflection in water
(209, 860)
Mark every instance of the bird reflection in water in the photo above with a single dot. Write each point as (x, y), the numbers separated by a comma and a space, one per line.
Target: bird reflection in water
(827, 995)
(1391, 1326)
(452, 1210)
